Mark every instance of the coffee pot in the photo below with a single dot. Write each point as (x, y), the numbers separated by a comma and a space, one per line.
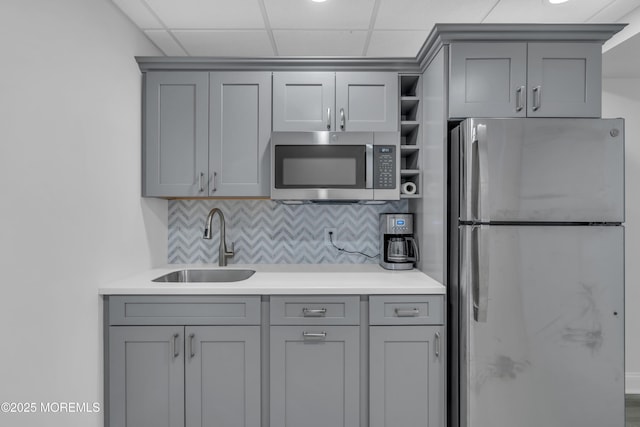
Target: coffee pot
(398, 247)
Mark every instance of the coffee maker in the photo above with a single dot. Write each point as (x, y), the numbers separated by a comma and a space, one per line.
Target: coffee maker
(398, 248)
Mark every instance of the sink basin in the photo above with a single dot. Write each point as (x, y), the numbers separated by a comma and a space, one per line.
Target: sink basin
(204, 276)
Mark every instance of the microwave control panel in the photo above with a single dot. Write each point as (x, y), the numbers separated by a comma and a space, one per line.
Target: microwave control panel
(384, 167)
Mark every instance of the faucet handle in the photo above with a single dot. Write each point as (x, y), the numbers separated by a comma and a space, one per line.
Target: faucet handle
(230, 252)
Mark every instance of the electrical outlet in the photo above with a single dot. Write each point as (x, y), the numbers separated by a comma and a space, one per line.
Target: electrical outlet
(334, 236)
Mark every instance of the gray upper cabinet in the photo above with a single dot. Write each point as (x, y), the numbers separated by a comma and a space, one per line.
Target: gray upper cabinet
(146, 376)
(222, 370)
(315, 372)
(206, 134)
(176, 134)
(303, 101)
(406, 376)
(342, 101)
(564, 80)
(485, 79)
(525, 80)
(240, 128)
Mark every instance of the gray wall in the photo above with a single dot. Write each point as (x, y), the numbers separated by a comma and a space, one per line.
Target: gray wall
(72, 217)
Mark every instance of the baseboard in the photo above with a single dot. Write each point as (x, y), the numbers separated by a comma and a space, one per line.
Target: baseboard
(632, 383)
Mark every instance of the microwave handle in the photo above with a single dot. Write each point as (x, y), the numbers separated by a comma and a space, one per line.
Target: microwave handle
(368, 166)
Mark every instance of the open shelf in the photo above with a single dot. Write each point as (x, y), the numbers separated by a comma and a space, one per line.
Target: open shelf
(410, 117)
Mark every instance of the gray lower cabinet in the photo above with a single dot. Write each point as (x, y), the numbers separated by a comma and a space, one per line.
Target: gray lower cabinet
(146, 376)
(206, 134)
(174, 376)
(314, 376)
(406, 379)
(518, 79)
(342, 101)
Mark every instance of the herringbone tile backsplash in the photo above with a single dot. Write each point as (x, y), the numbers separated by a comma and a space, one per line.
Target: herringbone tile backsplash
(266, 232)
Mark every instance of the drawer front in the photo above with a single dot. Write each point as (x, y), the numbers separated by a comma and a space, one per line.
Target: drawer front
(315, 310)
(406, 310)
(184, 310)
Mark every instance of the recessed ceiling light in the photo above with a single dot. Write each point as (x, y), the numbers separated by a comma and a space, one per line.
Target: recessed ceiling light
(322, 1)
(557, 1)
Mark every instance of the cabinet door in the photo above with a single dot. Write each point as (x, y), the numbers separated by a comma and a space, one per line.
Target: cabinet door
(406, 376)
(176, 134)
(146, 376)
(564, 79)
(303, 101)
(239, 133)
(315, 376)
(222, 376)
(367, 101)
(488, 80)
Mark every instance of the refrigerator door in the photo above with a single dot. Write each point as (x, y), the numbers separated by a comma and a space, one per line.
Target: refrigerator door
(541, 170)
(541, 326)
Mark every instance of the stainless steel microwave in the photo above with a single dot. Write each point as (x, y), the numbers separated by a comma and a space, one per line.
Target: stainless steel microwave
(335, 166)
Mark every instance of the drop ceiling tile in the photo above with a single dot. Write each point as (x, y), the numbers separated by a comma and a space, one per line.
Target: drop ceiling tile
(530, 11)
(330, 15)
(396, 43)
(319, 43)
(139, 13)
(423, 14)
(165, 42)
(208, 14)
(614, 11)
(225, 42)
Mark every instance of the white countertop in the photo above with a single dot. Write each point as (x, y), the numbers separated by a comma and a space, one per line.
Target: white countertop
(283, 279)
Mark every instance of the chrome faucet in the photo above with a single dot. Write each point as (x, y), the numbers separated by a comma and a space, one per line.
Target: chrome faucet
(223, 253)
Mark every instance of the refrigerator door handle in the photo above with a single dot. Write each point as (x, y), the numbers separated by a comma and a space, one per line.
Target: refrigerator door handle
(480, 273)
(480, 173)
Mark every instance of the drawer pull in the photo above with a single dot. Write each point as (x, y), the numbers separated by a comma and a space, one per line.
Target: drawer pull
(407, 312)
(314, 335)
(314, 312)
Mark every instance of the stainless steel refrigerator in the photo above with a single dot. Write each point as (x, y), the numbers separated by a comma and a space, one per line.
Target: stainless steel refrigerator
(536, 273)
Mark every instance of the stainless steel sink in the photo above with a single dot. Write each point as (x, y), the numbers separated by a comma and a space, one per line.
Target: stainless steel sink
(204, 276)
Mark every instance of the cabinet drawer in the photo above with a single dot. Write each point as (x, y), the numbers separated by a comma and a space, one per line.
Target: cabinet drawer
(406, 310)
(315, 310)
(184, 310)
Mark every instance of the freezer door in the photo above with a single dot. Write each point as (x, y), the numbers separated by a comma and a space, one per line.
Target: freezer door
(542, 170)
(541, 326)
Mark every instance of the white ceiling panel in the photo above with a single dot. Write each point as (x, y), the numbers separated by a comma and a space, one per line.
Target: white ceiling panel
(208, 14)
(139, 13)
(615, 10)
(507, 11)
(225, 43)
(330, 15)
(423, 14)
(320, 43)
(165, 42)
(396, 43)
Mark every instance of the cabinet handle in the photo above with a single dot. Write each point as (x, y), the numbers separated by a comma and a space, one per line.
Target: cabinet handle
(192, 352)
(329, 118)
(342, 119)
(314, 335)
(214, 189)
(201, 181)
(436, 344)
(519, 103)
(537, 92)
(176, 348)
(314, 312)
(407, 312)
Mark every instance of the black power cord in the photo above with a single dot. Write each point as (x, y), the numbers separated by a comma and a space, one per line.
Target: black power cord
(349, 252)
